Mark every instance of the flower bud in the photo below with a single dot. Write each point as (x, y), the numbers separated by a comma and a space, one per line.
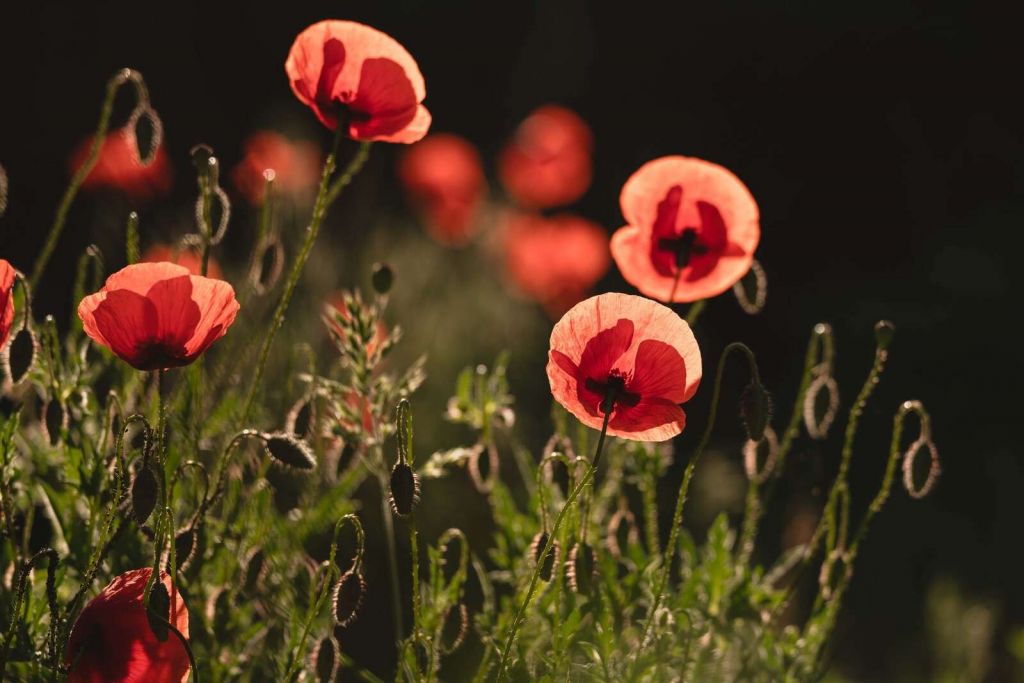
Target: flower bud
(289, 451)
(755, 409)
(348, 598)
(382, 278)
(581, 568)
(405, 489)
(145, 490)
(325, 660)
(547, 569)
(159, 606)
(185, 544)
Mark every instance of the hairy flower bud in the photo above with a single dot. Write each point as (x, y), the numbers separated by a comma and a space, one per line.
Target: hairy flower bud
(755, 409)
(405, 489)
(348, 598)
(547, 568)
(145, 490)
(289, 451)
(383, 278)
(581, 568)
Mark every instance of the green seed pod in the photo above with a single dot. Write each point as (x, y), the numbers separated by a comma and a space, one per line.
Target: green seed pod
(547, 569)
(581, 568)
(382, 278)
(405, 489)
(755, 409)
(348, 598)
(290, 451)
(145, 490)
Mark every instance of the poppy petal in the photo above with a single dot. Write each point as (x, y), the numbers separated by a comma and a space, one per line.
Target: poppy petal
(659, 371)
(655, 419)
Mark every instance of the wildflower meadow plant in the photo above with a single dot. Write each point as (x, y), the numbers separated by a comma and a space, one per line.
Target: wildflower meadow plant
(182, 443)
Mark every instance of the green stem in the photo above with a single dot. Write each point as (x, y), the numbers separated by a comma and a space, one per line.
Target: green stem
(520, 613)
(326, 194)
(60, 218)
(696, 308)
(684, 487)
(389, 534)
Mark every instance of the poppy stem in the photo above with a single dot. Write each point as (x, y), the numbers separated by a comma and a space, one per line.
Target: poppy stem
(326, 194)
(696, 308)
(99, 136)
(684, 487)
(573, 495)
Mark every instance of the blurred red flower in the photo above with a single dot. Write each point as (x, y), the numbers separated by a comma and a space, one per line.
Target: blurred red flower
(554, 260)
(7, 274)
(157, 315)
(112, 641)
(118, 168)
(347, 71)
(295, 165)
(188, 258)
(445, 179)
(629, 356)
(692, 229)
(548, 162)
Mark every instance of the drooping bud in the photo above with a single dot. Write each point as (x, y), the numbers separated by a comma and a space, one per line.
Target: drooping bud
(326, 660)
(456, 624)
(159, 606)
(547, 568)
(755, 409)
(145, 133)
(55, 418)
(405, 489)
(20, 354)
(884, 331)
(581, 568)
(934, 468)
(289, 451)
(145, 490)
(383, 277)
(185, 544)
(348, 598)
(254, 570)
(817, 418)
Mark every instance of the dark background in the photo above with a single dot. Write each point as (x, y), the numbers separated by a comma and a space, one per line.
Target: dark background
(882, 140)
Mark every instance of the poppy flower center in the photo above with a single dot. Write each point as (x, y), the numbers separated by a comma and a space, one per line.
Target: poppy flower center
(683, 247)
(613, 390)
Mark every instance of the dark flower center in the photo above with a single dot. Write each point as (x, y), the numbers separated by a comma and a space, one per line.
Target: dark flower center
(683, 247)
(613, 390)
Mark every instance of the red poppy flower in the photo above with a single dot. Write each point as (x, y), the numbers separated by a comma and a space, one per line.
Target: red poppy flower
(693, 228)
(118, 168)
(629, 356)
(188, 258)
(7, 274)
(548, 162)
(158, 315)
(554, 260)
(295, 164)
(345, 70)
(444, 177)
(112, 641)
(337, 306)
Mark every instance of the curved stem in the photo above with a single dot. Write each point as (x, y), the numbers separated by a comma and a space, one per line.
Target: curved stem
(60, 218)
(684, 486)
(552, 535)
(696, 308)
(326, 194)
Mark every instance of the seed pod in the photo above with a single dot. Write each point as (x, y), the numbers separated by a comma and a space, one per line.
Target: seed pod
(405, 489)
(145, 490)
(326, 660)
(755, 409)
(582, 568)
(382, 278)
(289, 451)
(547, 569)
(160, 606)
(185, 547)
(348, 597)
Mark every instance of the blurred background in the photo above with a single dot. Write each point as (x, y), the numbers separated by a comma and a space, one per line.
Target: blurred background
(882, 141)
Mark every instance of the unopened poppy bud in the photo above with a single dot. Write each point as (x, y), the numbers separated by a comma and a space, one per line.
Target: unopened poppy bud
(348, 598)
(159, 611)
(456, 624)
(254, 570)
(755, 409)
(884, 331)
(290, 451)
(185, 547)
(582, 568)
(405, 489)
(20, 355)
(201, 155)
(382, 278)
(547, 568)
(145, 489)
(325, 660)
(55, 418)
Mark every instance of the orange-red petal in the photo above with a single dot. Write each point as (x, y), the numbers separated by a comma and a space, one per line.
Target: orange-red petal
(7, 275)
